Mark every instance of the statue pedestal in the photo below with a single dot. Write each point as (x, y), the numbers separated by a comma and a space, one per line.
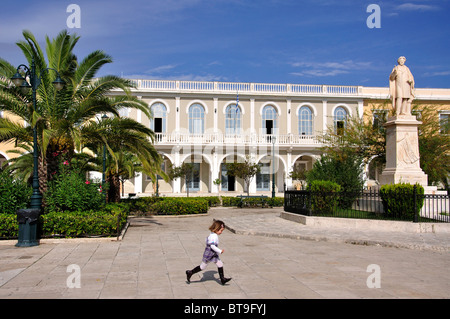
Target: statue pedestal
(402, 152)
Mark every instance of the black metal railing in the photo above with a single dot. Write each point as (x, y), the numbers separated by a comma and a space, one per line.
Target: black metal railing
(368, 205)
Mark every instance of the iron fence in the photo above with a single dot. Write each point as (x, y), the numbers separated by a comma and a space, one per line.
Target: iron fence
(368, 205)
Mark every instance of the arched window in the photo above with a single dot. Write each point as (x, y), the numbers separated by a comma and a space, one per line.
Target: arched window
(269, 120)
(158, 123)
(340, 120)
(233, 119)
(305, 121)
(196, 119)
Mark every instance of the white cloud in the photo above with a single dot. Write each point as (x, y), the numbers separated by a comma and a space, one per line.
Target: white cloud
(443, 73)
(177, 77)
(319, 73)
(162, 68)
(322, 69)
(416, 7)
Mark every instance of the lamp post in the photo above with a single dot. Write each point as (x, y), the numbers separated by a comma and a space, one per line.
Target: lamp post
(273, 166)
(28, 218)
(104, 118)
(35, 80)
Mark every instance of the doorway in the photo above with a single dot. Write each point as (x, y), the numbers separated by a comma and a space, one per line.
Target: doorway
(228, 181)
(158, 125)
(269, 127)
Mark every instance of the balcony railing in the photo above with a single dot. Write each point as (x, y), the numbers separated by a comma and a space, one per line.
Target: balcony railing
(241, 139)
(258, 88)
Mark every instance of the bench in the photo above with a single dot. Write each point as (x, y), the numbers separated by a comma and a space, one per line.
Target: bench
(259, 201)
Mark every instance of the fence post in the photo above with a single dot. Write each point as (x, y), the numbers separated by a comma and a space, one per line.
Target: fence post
(416, 217)
(309, 200)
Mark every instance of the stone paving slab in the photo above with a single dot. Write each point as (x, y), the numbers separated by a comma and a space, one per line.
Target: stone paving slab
(150, 262)
(272, 225)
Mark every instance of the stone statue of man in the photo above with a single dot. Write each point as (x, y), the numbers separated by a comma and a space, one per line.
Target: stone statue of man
(401, 88)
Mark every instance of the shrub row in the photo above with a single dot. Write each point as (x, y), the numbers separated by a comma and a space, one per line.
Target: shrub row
(193, 205)
(178, 206)
(252, 201)
(71, 224)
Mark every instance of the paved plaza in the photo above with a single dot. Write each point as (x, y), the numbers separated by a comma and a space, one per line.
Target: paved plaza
(267, 257)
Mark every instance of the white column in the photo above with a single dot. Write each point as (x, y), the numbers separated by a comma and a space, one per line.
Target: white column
(252, 116)
(177, 181)
(138, 183)
(138, 178)
(324, 115)
(289, 163)
(178, 111)
(288, 104)
(214, 173)
(216, 114)
(360, 109)
(252, 186)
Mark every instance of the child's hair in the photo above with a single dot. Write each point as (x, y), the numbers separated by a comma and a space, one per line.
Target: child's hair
(217, 225)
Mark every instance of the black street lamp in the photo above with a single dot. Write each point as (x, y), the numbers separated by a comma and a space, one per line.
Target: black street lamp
(35, 80)
(28, 217)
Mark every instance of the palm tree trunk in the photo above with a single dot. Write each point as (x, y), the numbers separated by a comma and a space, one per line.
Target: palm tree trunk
(114, 189)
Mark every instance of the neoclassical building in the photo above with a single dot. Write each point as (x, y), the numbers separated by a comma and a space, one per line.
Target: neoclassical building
(276, 125)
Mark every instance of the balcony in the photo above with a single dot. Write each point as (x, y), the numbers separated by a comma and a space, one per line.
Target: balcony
(243, 88)
(237, 139)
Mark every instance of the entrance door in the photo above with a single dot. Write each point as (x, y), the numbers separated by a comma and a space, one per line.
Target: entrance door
(228, 181)
(269, 127)
(231, 180)
(194, 178)
(263, 178)
(158, 125)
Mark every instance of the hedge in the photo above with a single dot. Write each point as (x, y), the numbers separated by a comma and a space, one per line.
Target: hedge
(398, 200)
(179, 206)
(8, 225)
(324, 199)
(228, 201)
(71, 224)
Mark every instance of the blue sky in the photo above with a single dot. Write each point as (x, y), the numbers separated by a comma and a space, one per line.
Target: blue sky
(271, 41)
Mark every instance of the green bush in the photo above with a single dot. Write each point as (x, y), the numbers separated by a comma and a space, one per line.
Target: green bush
(147, 204)
(275, 202)
(343, 170)
(156, 204)
(14, 193)
(324, 196)
(70, 191)
(81, 224)
(228, 201)
(260, 202)
(180, 206)
(71, 224)
(398, 200)
(8, 225)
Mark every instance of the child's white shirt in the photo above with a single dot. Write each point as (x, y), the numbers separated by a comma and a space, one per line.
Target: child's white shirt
(213, 241)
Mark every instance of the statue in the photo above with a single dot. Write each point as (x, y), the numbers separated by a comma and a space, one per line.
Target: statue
(401, 88)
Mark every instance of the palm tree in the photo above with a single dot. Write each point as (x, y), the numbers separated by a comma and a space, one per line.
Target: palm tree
(60, 116)
(122, 137)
